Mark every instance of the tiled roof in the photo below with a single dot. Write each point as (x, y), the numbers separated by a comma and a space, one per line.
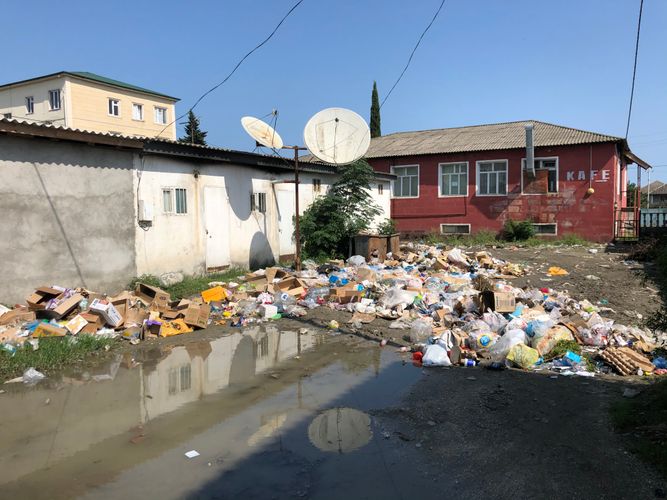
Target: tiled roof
(491, 137)
(653, 187)
(95, 78)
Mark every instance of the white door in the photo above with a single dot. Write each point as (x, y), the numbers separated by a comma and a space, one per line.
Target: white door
(216, 226)
(286, 221)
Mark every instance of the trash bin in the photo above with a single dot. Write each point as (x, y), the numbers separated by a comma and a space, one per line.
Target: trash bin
(370, 245)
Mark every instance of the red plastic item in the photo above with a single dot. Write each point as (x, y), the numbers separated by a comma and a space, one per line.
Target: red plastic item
(417, 355)
(544, 290)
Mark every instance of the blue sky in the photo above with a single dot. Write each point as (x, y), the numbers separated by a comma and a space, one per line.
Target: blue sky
(484, 61)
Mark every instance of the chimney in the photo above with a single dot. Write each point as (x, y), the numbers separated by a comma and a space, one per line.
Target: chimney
(530, 150)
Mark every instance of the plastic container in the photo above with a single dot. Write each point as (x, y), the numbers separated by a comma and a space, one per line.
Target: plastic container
(420, 331)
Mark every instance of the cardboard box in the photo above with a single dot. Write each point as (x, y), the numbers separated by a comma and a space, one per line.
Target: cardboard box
(152, 296)
(441, 264)
(135, 317)
(76, 324)
(49, 330)
(39, 299)
(255, 281)
(291, 286)
(217, 293)
(502, 302)
(267, 311)
(176, 327)
(19, 315)
(275, 273)
(61, 306)
(95, 322)
(151, 327)
(197, 315)
(171, 314)
(107, 310)
(366, 273)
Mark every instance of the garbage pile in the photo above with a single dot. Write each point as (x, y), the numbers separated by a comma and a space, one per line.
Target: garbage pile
(452, 307)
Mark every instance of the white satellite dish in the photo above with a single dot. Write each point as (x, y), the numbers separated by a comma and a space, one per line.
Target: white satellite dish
(262, 132)
(337, 135)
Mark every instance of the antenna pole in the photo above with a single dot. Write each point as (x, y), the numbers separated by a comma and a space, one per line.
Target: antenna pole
(297, 231)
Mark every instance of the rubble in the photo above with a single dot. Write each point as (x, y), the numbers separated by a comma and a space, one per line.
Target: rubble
(451, 307)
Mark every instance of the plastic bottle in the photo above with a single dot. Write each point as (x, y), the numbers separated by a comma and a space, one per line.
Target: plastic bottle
(283, 300)
(83, 304)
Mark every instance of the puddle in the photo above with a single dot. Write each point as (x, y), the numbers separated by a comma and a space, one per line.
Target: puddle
(287, 407)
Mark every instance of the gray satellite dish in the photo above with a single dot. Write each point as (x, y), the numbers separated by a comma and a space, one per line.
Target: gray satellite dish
(340, 430)
(262, 132)
(337, 135)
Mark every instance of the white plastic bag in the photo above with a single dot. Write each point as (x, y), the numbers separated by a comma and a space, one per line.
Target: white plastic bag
(436, 355)
(458, 258)
(356, 260)
(420, 331)
(511, 338)
(32, 376)
(397, 297)
(496, 321)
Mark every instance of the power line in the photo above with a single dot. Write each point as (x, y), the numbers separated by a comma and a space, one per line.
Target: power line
(235, 67)
(634, 69)
(437, 12)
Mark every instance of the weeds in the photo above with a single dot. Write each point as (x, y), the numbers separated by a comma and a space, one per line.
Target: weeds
(52, 355)
(518, 230)
(487, 237)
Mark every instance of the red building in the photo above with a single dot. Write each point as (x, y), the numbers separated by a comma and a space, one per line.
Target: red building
(462, 180)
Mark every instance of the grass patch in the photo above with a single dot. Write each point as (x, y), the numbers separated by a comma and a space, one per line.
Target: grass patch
(561, 348)
(490, 238)
(645, 418)
(191, 285)
(53, 354)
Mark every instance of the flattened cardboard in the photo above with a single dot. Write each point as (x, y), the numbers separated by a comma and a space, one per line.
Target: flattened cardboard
(152, 295)
(502, 302)
(366, 273)
(135, 317)
(76, 324)
(258, 282)
(19, 315)
(274, 273)
(49, 330)
(441, 264)
(172, 314)
(63, 306)
(196, 315)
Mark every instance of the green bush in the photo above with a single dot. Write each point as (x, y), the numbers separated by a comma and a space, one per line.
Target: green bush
(388, 226)
(518, 230)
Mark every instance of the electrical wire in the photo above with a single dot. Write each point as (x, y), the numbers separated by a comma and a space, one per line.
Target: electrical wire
(437, 12)
(215, 87)
(634, 69)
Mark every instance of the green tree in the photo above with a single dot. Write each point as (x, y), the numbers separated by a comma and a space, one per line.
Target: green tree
(347, 209)
(631, 193)
(376, 130)
(193, 134)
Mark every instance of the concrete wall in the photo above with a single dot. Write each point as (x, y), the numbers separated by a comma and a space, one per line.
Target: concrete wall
(12, 100)
(67, 216)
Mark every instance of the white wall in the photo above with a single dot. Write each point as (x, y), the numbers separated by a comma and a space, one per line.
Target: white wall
(12, 100)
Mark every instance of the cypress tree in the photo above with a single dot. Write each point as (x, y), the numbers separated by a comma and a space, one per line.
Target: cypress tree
(375, 112)
(193, 134)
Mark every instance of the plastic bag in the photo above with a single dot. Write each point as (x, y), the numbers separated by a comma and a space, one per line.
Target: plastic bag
(539, 326)
(356, 260)
(397, 297)
(420, 331)
(481, 340)
(458, 258)
(511, 338)
(32, 376)
(496, 321)
(435, 355)
(545, 342)
(523, 356)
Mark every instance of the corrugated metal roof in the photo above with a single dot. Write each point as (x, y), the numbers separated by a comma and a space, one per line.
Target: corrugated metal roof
(490, 137)
(96, 78)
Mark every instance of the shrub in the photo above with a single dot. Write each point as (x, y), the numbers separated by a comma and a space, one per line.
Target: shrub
(388, 226)
(518, 230)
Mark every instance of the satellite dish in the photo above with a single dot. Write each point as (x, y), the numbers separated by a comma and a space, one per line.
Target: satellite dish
(262, 132)
(337, 135)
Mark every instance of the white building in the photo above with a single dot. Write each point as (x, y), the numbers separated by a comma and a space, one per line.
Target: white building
(91, 209)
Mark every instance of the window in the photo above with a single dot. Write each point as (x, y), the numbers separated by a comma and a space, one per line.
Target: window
(161, 115)
(54, 99)
(114, 107)
(545, 179)
(407, 183)
(186, 377)
(138, 112)
(454, 179)
(174, 201)
(380, 189)
(29, 105)
(455, 228)
(317, 185)
(492, 178)
(258, 202)
(545, 228)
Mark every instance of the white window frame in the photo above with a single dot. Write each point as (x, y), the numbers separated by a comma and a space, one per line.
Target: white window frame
(541, 158)
(29, 109)
(444, 164)
(477, 176)
(172, 196)
(110, 106)
(60, 99)
(452, 224)
(155, 110)
(140, 107)
(554, 224)
(418, 180)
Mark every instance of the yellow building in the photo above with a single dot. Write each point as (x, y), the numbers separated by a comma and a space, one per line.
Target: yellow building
(87, 101)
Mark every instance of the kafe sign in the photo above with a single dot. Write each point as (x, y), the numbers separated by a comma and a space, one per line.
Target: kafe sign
(595, 175)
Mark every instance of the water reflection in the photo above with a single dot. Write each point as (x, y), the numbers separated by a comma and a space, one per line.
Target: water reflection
(44, 425)
(340, 430)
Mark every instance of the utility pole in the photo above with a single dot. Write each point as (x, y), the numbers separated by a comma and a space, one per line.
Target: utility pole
(297, 231)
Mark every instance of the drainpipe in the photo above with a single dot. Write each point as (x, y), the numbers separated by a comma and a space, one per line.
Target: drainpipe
(530, 150)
